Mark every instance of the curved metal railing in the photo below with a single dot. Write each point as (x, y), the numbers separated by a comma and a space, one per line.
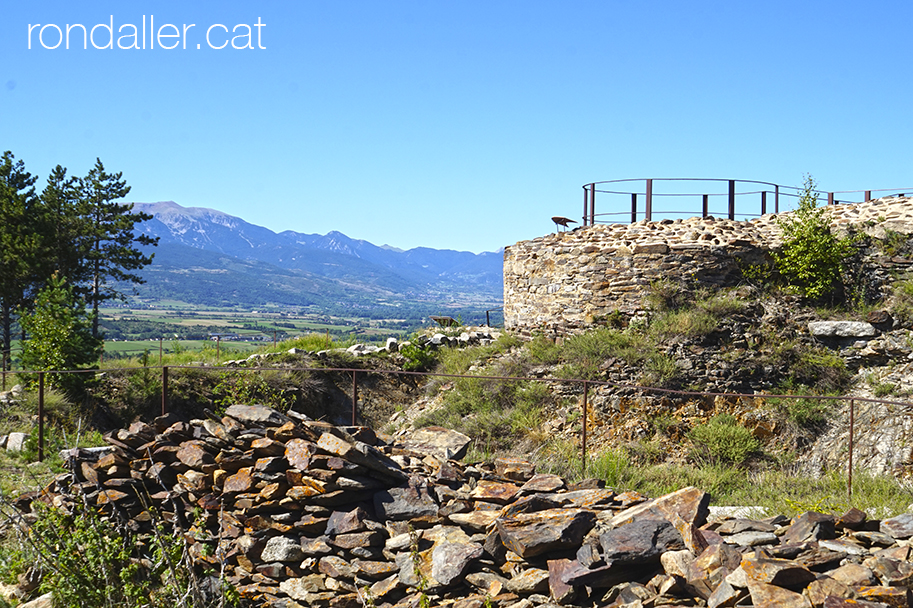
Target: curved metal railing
(732, 198)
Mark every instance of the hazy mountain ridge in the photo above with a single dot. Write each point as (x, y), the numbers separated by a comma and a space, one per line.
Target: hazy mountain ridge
(290, 266)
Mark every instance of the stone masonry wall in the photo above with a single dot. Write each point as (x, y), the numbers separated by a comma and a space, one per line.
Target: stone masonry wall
(564, 282)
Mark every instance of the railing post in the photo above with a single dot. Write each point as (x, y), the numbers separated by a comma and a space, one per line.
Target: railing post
(586, 386)
(732, 199)
(849, 472)
(592, 204)
(164, 390)
(868, 196)
(830, 198)
(705, 206)
(763, 202)
(776, 199)
(648, 210)
(354, 396)
(40, 416)
(633, 207)
(160, 351)
(586, 200)
(218, 349)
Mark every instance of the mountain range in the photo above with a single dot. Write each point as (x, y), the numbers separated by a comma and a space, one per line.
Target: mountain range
(210, 258)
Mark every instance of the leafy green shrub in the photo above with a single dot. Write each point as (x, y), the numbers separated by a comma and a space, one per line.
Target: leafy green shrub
(812, 258)
(60, 336)
(85, 562)
(723, 439)
(419, 357)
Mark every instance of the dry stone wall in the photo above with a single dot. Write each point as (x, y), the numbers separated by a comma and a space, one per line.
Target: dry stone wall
(564, 282)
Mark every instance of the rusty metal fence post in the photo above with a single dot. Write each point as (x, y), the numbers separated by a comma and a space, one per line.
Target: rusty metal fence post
(849, 472)
(633, 207)
(354, 396)
(586, 386)
(40, 416)
(164, 390)
(732, 199)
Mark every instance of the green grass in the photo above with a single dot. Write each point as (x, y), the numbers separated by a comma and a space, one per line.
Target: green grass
(723, 439)
(777, 490)
(902, 301)
(686, 323)
(582, 355)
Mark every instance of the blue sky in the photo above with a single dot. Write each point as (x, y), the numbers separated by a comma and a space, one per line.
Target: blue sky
(460, 125)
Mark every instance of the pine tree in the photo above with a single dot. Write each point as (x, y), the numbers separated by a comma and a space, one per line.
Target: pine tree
(20, 243)
(64, 224)
(113, 255)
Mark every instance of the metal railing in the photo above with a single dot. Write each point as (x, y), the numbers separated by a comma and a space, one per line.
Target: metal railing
(584, 384)
(717, 197)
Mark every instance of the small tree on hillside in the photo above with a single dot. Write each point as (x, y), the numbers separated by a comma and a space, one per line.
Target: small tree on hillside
(812, 258)
(59, 335)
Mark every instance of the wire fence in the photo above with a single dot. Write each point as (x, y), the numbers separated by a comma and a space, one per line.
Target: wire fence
(732, 198)
(584, 386)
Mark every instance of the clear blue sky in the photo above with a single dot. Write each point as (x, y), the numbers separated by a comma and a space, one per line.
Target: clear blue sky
(462, 125)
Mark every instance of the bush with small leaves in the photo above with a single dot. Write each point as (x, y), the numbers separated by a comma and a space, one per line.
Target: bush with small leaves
(723, 439)
(812, 258)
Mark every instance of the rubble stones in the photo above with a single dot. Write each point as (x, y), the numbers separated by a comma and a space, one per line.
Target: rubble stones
(898, 527)
(531, 534)
(841, 329)
(16, 441)
(440, 442)
(305, 514)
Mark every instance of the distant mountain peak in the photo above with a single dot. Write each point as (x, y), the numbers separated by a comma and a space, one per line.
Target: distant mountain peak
(333, 256)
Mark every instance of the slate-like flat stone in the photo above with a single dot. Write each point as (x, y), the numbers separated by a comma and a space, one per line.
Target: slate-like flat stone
(531, 534)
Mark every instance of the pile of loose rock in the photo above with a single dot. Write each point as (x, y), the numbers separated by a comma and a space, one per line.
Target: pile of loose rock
(469, 336)
(302, 513)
